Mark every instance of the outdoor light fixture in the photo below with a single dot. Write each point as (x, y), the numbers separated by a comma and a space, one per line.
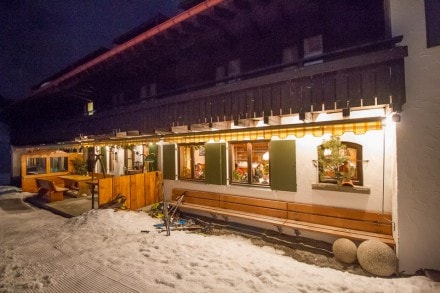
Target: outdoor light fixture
(346, 112)
(396, 117)
(302, 116)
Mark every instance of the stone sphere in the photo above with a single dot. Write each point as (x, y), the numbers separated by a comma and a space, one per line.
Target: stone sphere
(345, 250)
(377, 258)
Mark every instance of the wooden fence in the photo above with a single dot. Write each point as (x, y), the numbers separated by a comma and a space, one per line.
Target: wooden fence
(140, 190)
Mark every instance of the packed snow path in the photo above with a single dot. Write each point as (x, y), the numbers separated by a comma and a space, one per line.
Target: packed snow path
(104, 251)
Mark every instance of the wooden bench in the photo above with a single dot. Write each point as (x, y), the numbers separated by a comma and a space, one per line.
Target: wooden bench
(339, 222)
(49, 191)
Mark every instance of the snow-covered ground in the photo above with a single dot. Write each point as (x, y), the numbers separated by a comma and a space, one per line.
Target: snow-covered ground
(104, 251)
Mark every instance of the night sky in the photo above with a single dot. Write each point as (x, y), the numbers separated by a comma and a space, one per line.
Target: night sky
(38, 38)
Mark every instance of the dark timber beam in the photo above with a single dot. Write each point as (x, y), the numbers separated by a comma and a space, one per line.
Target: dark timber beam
(224, 13)
(243, 5)
(207, 21)
(190, 28)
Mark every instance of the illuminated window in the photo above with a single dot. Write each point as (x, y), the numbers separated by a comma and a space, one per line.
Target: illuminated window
(35, 166)
(340, 162)
(58, 164)
(89, 108)
(192, 161)
(250, 163)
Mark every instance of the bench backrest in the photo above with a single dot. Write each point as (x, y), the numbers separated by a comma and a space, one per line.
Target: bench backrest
(46, 184)
(317, 214)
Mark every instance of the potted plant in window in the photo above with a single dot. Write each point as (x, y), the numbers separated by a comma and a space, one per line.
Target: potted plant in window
(333, 162)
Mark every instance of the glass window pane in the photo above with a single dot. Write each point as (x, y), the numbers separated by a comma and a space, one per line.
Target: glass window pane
(260, 163)
(199, 162)
(58, 164)
(35, 166)
(239, 163)
(185, 161)
(250, 163)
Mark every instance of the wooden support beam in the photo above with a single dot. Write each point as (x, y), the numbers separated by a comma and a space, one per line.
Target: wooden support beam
(243, 5)
(224, 13)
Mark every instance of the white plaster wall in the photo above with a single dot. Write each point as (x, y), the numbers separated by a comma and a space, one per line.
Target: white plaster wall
(418, 140)
(378, 200)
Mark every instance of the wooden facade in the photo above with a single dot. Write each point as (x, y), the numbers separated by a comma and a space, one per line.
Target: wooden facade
(166, 76)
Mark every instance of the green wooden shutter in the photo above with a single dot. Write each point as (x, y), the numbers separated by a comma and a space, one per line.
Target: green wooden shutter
(215, 160)
(153, 149)
(283, 165)
(169, 162)
(104, 159)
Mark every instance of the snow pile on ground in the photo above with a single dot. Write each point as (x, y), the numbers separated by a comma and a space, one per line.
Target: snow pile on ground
(105, 251)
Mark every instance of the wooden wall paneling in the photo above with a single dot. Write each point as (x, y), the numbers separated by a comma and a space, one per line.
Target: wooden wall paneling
(202, 110)
(317, 92)
(285, 98)
(383, 80)
(398, 85)
(122, 120)
(187, 119)
(228, 106)
(169, 114)
(128, 121)
(235, 103)
(105, 190)
(135, 118)
(145, 125)
(250, 101)
(355, 88)
(258, 101)
(306, 94)
(215, 108)
(180, 113)
(242, 105)
(208, 109)
(147, 118)
(295, 95)
(341, 89)
(164, 120)
(121, 185)
(218, 107)
(137, 192)
(196, 111)
(190, 109)
(267, 100)
(276, 99)
(329, 91)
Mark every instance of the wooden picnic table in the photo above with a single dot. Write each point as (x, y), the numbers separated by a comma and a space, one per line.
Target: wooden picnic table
(77, 183)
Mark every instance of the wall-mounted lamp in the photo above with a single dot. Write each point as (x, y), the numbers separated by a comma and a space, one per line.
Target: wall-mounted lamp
(396, 117)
